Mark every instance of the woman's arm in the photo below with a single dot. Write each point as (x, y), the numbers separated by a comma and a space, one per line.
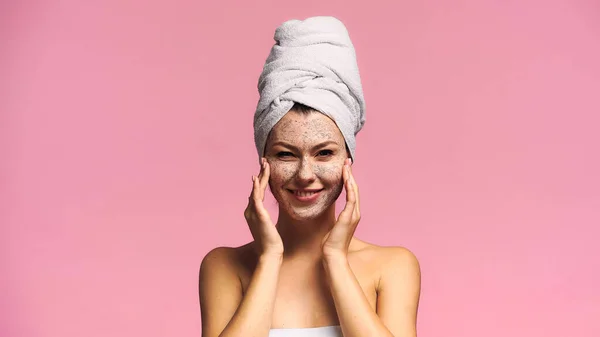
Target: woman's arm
(397, 296)
(225, 311)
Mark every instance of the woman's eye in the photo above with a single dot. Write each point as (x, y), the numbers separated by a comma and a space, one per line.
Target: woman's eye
(284, 154)
(325, 153)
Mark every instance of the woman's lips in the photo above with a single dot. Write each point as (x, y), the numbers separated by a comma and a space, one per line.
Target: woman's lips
(306, 196)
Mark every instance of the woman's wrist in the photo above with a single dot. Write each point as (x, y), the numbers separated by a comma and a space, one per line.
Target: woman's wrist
(270, 258)
(335, 258)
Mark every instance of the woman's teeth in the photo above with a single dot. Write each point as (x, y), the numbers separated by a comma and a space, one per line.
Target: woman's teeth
(304, 194)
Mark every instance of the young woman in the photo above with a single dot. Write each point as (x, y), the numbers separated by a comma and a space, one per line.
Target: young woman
(306, 274)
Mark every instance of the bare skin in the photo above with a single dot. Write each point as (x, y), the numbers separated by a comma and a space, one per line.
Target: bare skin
(308, 269)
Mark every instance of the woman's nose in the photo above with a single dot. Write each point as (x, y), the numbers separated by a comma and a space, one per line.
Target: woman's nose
(306, 171)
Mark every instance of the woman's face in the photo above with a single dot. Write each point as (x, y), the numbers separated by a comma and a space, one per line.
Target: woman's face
(306, 153)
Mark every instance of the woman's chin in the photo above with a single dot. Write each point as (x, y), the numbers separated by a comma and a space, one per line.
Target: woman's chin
(306, 212)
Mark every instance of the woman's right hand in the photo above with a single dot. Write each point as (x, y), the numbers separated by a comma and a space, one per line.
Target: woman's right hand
(266, 238)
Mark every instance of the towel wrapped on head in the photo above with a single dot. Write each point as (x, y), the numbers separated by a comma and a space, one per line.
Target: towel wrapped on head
(313, 63)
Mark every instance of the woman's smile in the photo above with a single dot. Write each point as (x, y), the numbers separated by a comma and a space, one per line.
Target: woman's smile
(306, 195)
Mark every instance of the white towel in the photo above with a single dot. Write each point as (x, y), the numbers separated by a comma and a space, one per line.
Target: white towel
(313, 62)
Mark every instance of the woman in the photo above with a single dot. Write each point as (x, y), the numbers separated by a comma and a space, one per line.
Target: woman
(307, 275)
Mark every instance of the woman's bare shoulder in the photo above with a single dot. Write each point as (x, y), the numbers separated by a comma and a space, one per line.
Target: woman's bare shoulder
(383, 255)
(233, 259)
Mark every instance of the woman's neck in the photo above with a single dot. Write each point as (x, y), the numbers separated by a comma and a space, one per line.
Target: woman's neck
(303, 238)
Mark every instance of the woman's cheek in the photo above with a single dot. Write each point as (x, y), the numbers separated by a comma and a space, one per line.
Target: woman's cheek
(329, 172)
(281, 172)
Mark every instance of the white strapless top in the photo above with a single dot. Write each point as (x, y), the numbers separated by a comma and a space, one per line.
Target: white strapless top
(325, 331)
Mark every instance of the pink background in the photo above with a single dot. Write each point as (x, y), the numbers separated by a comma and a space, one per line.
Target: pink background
(127, 152)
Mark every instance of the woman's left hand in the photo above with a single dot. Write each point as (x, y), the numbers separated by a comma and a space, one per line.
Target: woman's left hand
(336, 242)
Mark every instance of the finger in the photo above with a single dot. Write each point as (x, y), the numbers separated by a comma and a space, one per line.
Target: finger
(345, 172)
(260, 173)
(257, 202)
(250, 202)
(259, 179)
(257, 205)
(346, 214)
(356, 213)
(253, 192)
(350, 189)
(265, 177)
(345, 217)
(354, 189)
(261, 183)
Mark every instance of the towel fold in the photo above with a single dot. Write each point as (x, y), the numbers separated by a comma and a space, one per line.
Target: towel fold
(313, 62)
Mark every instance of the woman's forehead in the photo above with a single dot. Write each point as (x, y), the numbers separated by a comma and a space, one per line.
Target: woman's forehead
(300, 127)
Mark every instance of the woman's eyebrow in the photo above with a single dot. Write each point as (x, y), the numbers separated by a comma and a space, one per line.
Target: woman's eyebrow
(320, 145)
